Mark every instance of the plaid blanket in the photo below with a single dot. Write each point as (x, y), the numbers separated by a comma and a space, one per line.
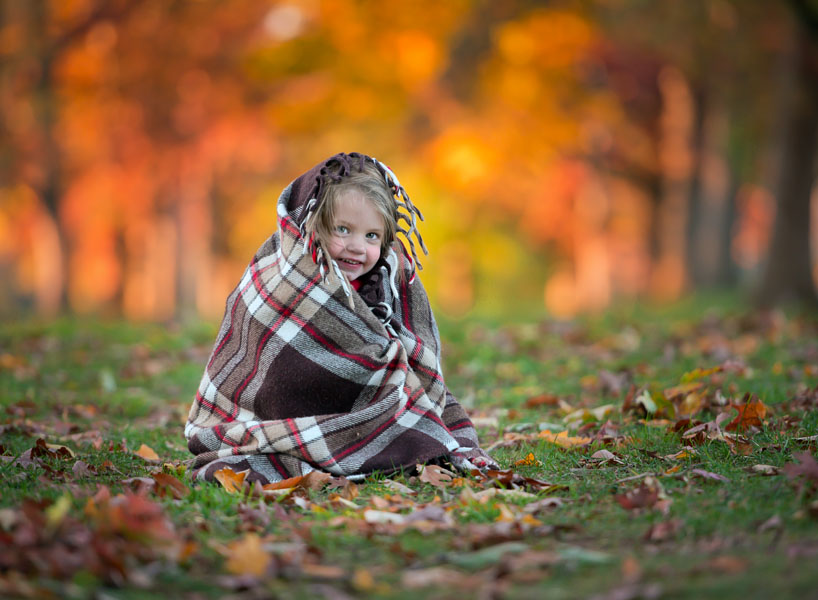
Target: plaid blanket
(308, 373)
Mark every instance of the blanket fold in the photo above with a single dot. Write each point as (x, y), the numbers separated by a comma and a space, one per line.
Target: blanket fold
(307, 373)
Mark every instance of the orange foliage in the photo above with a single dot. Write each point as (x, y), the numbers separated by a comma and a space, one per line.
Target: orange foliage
(166, 136)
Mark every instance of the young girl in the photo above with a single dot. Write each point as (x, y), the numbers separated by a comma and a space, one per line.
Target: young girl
(328, 356)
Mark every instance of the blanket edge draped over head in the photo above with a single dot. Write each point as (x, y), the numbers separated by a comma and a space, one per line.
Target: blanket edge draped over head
(307, 373)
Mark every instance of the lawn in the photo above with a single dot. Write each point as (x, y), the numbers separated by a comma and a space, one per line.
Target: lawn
(647, 452)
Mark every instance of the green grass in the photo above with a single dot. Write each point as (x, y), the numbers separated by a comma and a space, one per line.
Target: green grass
(103, 389)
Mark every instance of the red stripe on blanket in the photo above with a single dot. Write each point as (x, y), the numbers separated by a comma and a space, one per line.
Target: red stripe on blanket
(213, 407)
(298, 440)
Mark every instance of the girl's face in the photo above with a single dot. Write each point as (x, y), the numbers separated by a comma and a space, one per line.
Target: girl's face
(357, 234)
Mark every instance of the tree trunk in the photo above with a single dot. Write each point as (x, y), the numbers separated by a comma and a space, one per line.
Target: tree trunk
(788, 272)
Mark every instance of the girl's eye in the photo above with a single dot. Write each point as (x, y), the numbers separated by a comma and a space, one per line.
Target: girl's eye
(342, 229)
(372, 235)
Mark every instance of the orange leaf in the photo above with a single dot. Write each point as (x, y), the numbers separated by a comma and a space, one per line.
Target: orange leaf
(314, 480)
(528, 461)
(147, 453)
(542, 399)
(750, 414)
(247, 556)
(563, 439)
(284, 484)
(230, 480)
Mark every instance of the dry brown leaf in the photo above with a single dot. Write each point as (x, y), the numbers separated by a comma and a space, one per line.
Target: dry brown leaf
(645, 495)
(231, 481)
(396, 486)
(766, 470)
(707, 475)
(435, 475)
(731, 565)
(664, 530)
(169, 485)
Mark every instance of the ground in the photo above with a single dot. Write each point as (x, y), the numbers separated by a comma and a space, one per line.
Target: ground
(645, 453)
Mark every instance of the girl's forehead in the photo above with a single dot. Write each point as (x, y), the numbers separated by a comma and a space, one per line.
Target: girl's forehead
(353, 198)
(352, 203)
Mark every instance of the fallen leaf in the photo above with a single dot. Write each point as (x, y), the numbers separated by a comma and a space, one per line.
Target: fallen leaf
(664, 530)
(247, 556)
(435, 475)
(399, 487)
(563, 440)
(147, 453)
(774, 522)
(645, 495)
(731, 565)
(708, 475)
(543, 505)
(541, 400)
(380, 516)
(529, 461)
(231, 481)
(805, 467)
(750, 414)
(362, 580)
(686, 452)
(169, 485)
(766, 470)
(699, 373)
(682, 390)
(81, 469)
(57, 512)
(140, 485)
(440, 576)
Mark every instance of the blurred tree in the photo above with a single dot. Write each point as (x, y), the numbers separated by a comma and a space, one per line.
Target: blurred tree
(788, 274)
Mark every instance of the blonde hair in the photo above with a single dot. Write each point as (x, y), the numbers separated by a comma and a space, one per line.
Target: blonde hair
(370, 183)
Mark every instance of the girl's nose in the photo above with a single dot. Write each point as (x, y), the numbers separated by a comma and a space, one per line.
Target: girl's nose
(354, 244)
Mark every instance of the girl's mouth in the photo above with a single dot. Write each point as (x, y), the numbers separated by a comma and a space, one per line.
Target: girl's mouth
(349, 261)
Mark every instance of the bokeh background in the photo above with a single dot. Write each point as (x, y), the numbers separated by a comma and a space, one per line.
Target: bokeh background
(566, 154)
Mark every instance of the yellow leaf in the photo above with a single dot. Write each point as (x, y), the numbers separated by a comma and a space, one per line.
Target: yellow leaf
(682, 389)
(563, 439)
(699, 374)
(692, 404)
(56, 512)
(230, 480)
(363, 581)
(147, 453)
(60, 449)
(247, 556)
